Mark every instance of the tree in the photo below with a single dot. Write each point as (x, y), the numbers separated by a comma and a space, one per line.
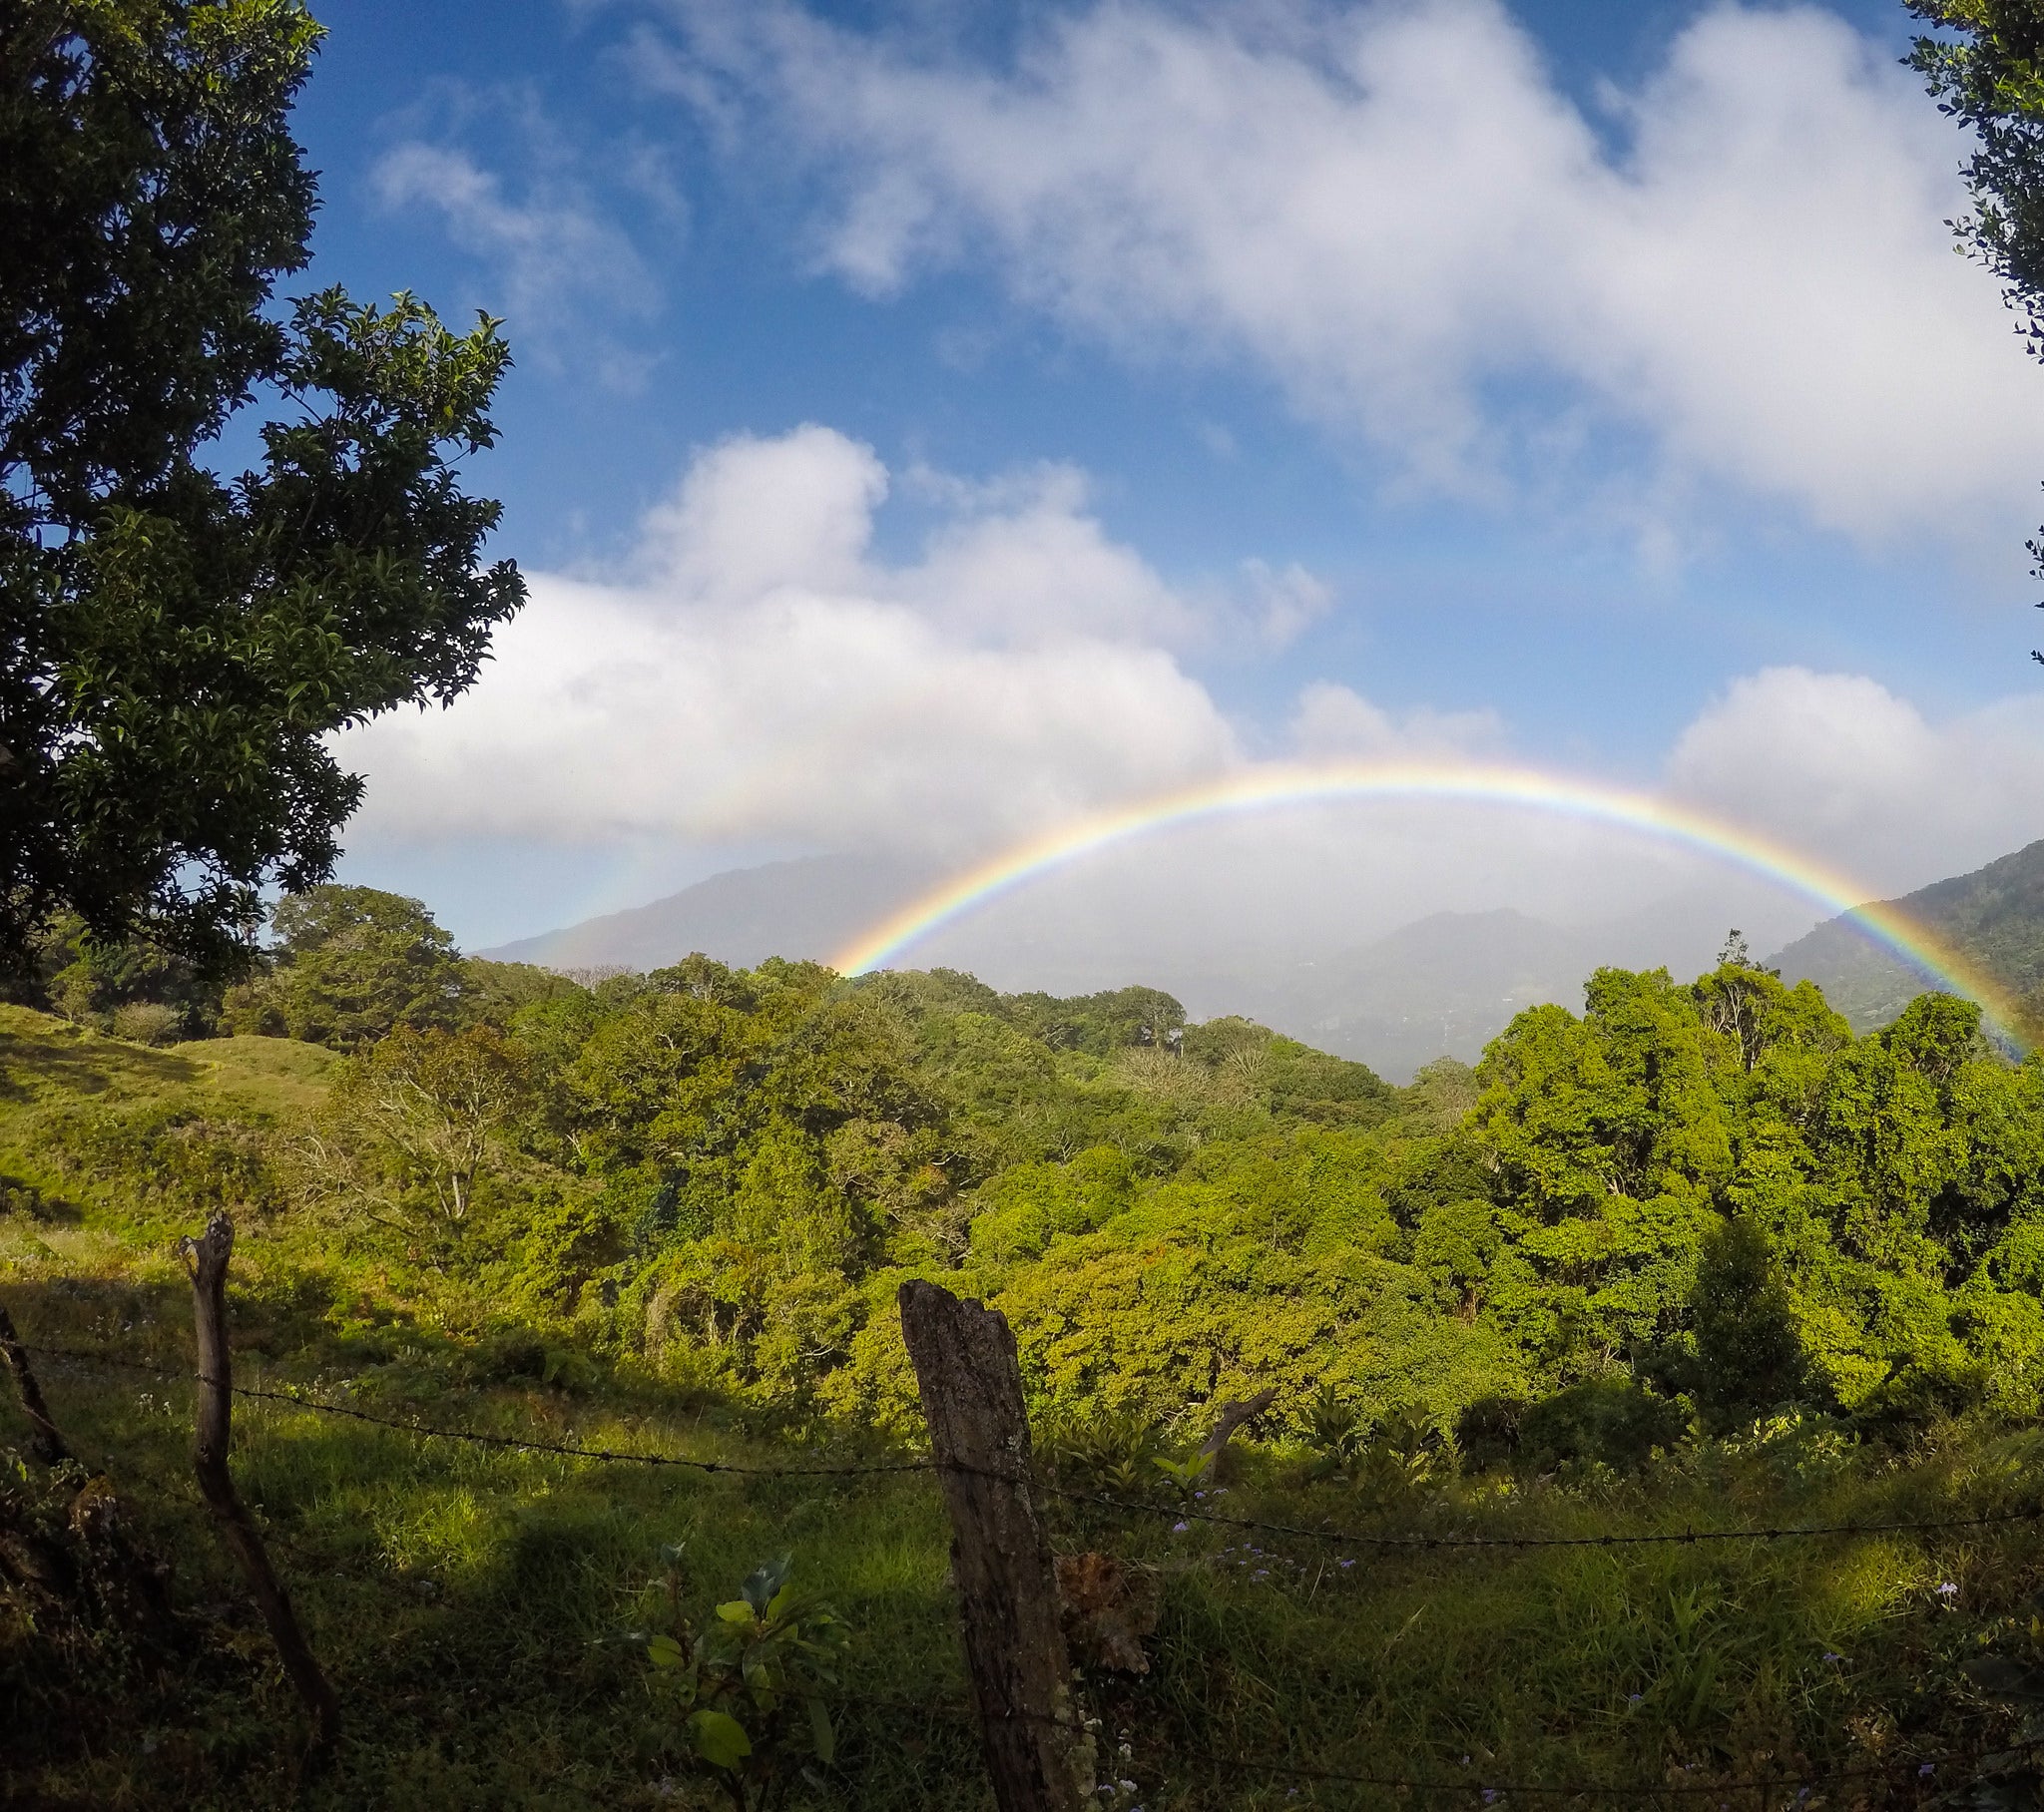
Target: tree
(351, 964)
(176, 642)
(99, 983)
(1988, 74)
(412, 1125)
(1748, 1356)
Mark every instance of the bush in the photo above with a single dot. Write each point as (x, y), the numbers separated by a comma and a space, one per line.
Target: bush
(149, 1023)
(1610, 1422)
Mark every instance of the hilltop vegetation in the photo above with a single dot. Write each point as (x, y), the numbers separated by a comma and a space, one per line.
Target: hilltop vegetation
(1696, 1248)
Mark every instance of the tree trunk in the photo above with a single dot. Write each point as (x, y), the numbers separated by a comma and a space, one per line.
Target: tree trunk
(1232, 1415)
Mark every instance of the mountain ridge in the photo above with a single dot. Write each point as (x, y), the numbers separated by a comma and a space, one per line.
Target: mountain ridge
(1992, 916)
(805, 907)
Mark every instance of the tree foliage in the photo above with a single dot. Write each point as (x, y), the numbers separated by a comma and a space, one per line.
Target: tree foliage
(349, 965)
(176, 640)
(1687, 1205)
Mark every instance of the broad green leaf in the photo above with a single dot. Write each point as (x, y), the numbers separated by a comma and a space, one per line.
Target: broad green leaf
(736, 1611)
(663, 1652)
(719, 1739)
(820, 1730)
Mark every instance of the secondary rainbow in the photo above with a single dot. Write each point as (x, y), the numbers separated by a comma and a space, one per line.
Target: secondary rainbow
(1589, 800)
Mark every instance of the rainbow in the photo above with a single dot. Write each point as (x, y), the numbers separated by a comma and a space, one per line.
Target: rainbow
(1588, 800)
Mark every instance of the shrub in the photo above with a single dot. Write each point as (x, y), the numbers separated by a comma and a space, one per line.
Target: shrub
(149, 1023)
(1608, 1421)
(748, 1687)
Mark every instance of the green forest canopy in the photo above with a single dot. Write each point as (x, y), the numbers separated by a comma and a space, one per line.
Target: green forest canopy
(1693, 1199)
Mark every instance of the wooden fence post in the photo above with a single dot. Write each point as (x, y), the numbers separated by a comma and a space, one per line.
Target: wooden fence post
(205, 1259)
(44, 1441)
(971, 1386)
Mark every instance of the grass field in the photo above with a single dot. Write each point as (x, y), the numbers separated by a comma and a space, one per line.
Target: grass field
(472, 1605)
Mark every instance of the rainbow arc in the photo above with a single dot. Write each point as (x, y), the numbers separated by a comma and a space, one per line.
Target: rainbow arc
(1830, 889)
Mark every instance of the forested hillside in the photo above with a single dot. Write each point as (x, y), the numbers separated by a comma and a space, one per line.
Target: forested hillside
(731, 1172)
(1697, 1245)
(1993, 918)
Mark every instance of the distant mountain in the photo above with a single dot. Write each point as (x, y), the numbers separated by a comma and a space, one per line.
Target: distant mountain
(1993, 917)
(1444, 986)
(811, 907)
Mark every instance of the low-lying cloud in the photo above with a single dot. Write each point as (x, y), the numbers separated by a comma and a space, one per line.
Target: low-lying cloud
(756, 676)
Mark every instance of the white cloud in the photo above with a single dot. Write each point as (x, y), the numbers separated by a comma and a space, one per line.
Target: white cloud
(1332, 722)
(560, 267)
(1837, 765)
(1392, 210)
(759, 673)
(753, 516)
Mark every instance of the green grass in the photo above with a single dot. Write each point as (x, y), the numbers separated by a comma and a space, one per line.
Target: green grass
(469, 1603)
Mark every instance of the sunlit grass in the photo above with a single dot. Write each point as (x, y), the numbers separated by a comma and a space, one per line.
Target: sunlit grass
(471, 1604)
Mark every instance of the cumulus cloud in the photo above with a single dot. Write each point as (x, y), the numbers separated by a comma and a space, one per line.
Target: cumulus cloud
(1392, 210)
(1836, 765)
(758, 673)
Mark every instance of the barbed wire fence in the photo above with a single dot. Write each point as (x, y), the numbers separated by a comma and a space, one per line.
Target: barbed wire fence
(301, 1399)
(1010, 1608)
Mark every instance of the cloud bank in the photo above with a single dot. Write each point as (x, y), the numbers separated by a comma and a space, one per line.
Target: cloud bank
(759, 673)
(1393, 212)
(1836, 765)
(756, 675)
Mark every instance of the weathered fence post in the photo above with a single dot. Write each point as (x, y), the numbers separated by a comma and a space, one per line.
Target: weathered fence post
(44, 1441)
(205, 1259)
(971, 1386)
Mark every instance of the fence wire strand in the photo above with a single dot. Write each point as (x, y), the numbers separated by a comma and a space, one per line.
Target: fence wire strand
(479, 1437)
(1474, 1785)
(1174, 1513)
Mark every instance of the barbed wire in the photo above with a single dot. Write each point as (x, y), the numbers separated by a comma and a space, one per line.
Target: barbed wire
(480, 1438)
(1470, 1785)
(1181, 1512)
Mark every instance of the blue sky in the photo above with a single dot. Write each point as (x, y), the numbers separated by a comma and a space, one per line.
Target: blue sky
(931, 419)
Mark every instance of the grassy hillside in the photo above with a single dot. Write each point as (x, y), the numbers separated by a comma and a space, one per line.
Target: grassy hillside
(1491, 1306)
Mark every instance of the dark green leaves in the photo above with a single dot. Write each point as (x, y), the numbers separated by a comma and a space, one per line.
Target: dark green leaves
(737, 1679)
(174, 645)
